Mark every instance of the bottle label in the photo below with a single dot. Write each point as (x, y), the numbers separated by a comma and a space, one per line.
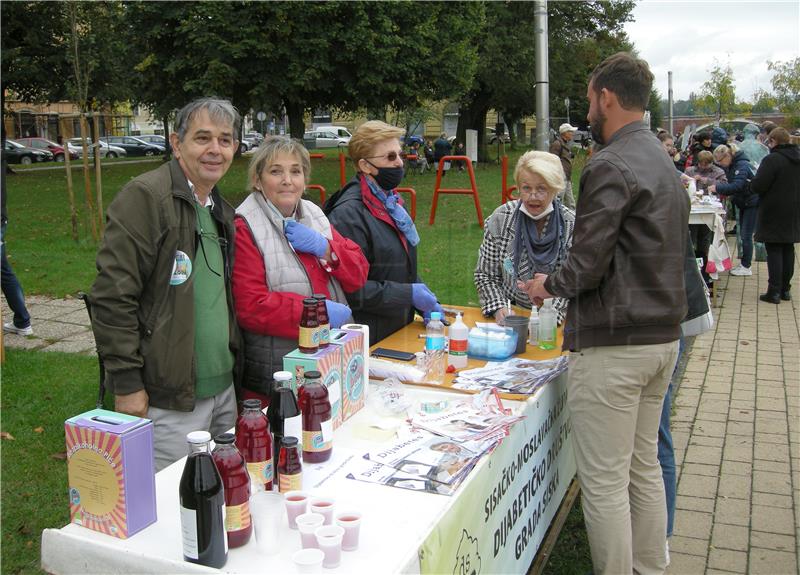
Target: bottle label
(293, 427)
(237, 517)
(458, 347)
(325, 333)
(260, 471)
(314, 441)
(189, 533)
(326, 428)
(434, 342)
(308, 337)
(223, 510)
(292, 482)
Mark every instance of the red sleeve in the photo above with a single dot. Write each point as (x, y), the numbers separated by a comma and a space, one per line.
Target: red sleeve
(350, 267)
(258, 309)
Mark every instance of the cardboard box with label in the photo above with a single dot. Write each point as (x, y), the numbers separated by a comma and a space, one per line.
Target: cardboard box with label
(353, 372)
(111, 472)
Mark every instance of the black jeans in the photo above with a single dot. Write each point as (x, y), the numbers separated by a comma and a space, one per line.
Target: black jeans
(702, 237)
(780, 266)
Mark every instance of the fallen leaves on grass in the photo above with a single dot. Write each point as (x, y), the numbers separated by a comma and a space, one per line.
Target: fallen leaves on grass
(39, 429)
(6, 435)
(62, 455)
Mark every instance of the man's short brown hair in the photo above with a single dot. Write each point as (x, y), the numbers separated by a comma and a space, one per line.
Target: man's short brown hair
(779, 136)
(628, 77)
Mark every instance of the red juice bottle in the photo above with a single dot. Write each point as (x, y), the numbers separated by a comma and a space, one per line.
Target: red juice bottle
(236, 481)
(315, 407)
(290, 469)
(322, 318)
(308, 335)
(254, 441)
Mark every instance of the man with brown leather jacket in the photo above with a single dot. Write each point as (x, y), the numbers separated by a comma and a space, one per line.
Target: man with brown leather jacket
(163, 314)
(624, 278)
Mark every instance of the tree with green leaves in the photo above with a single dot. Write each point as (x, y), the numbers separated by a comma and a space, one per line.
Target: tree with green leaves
(719, 91)
(786, 83)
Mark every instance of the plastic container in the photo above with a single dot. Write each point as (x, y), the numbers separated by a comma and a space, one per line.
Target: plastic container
(547, 325)
(457, 349)
(533, 326)
(434, 348)
(236, 481)
(492, 343)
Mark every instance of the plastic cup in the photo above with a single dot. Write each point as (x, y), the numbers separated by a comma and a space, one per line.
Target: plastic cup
(307, 524)
(323, 506)
(351, 523)
(308, 560)
(519, 324)
(329, 540)
(266, 513)
(296, 504)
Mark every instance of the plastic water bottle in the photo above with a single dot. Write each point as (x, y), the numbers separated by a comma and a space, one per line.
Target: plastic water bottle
(547, 325)
(457, 348)
(434, 347)
(533, 326)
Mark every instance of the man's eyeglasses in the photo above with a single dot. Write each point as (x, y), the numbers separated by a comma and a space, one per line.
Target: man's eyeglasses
(537, 192)
(391, 156)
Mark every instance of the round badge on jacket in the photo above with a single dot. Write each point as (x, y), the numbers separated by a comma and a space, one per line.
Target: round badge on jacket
(181, 268)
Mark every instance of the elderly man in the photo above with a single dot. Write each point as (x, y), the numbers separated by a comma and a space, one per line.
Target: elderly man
(163, 315)
(624, 278)
(561, 148)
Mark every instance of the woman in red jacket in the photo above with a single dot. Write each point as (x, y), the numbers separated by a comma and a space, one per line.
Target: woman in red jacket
(286, 250)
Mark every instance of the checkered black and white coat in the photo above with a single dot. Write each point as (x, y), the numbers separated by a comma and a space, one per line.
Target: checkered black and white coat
(494, 277)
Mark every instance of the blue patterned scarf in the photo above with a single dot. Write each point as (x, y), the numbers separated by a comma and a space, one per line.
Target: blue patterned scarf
(400, 216)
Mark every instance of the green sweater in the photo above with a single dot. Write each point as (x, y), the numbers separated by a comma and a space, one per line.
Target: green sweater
(213, 357)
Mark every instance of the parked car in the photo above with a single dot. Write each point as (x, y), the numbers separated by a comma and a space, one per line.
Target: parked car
(16, 153)
(106, 150)
(254, 136)
(49, 145)
(156, 139)
(133, 145)
(491, 136)
(411, 140)
(328, 136)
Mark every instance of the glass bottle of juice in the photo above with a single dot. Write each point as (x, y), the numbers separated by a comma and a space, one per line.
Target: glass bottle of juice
(308, 337)
(283, 412)
(290, 469)
(236, 481)
(202, 502)
(254, 441)
(324, 322)
(315, 407)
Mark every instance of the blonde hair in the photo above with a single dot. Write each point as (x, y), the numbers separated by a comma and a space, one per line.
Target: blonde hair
(725, 150)
(705, 157)
(269, 149)
(367, 136)
(543, 164)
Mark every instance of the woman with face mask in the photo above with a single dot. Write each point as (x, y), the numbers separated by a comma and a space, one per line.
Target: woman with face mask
(524, 237)
(286, 250)
(369, 211)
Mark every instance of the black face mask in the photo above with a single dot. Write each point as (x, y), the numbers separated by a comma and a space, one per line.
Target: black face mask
(389, 178)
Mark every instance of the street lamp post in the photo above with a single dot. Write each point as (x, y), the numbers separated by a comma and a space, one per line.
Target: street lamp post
(566, 104)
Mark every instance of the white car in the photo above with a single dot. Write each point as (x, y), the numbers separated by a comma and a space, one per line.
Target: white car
(328, 136)
(106, 151)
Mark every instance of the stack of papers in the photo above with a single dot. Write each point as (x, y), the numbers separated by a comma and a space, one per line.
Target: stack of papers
(517, 375)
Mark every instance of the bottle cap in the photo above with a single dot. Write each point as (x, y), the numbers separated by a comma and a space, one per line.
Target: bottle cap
(313, 375)
(252, 403)
(282, 376)
(289, 441)
(198, 437)
(436, 315)
(225, 439)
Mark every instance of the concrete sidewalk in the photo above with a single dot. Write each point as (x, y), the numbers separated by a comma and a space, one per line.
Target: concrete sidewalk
(736, 426)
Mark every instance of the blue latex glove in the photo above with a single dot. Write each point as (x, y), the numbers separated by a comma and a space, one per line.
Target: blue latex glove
(338, 313)
(426, 317)
(423, 298)
(304, 239)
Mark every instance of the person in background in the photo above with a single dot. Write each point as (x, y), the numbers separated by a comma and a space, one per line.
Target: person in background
(705, 173)
(442, 148)
(429, 156)
(12, 290)
(702, 141)
(460, 151)
(561, 148)
(669, 147)
(719, 137)
(777, 183)
(286, 251)
(421, 162)
(370, 212)
(526, 236)
(764, 130)
(624, 276)
(739, 173)
(163, 315)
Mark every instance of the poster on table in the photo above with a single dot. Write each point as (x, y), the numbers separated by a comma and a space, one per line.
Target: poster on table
(499, 521)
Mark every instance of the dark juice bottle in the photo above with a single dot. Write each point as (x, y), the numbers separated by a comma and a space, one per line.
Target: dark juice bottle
(254, 442)
(324, 322)
(283, 412)
(202, 501)
(236, 481)
(290, 468)
(308, 336)
(315, 407)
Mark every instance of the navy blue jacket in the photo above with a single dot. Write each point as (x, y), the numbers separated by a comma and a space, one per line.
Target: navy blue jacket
(739, 174)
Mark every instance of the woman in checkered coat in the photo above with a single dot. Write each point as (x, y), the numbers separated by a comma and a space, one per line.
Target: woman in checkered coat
(525, 236)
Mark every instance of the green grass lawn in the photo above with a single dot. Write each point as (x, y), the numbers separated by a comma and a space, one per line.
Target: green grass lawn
(41, 390)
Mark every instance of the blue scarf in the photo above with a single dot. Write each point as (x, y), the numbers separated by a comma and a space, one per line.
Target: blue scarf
(542, 251)
(400, 216)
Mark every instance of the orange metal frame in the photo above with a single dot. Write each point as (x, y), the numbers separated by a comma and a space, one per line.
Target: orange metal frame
(413, 194)
(505, 193)
(473, 191)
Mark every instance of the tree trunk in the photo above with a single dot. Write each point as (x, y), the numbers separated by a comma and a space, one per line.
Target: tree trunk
(473, 117)
(296, 125)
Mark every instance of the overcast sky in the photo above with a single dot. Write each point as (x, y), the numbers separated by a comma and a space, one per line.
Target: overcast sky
(686, 36)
